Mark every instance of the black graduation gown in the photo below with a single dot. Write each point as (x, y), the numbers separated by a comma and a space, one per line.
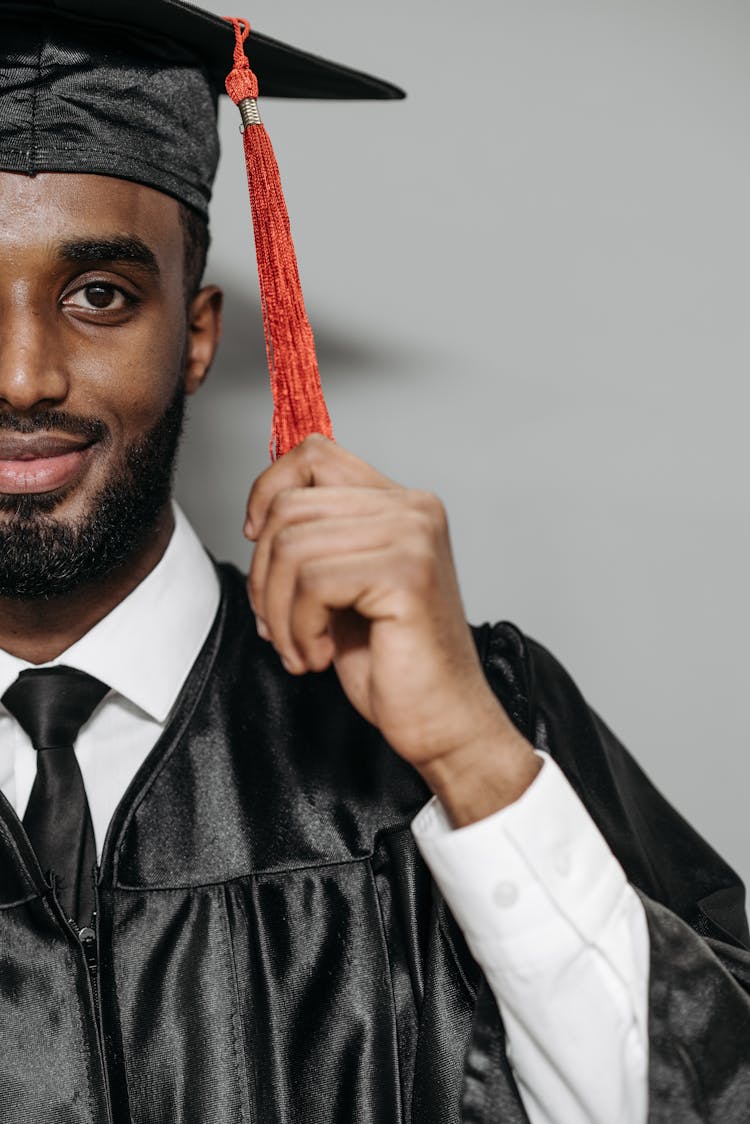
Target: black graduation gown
(271, 947)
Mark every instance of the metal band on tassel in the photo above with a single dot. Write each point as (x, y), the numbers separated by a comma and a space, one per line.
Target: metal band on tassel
(248, 108)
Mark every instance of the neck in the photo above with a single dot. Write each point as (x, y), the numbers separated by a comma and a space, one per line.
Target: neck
(39, 631)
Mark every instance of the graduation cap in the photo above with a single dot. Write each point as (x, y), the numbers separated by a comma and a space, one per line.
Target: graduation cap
(129, 88)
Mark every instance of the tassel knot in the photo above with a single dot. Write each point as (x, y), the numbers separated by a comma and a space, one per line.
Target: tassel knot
(241, 83)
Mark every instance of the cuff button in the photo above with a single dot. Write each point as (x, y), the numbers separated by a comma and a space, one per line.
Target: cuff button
(505, 894)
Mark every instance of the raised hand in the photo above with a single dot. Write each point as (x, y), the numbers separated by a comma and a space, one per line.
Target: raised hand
(354, 570)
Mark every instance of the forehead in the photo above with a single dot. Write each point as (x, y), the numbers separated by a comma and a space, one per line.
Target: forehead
(55, 207)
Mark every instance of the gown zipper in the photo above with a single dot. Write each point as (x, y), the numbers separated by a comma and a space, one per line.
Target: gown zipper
(87, 940)
(87, 937)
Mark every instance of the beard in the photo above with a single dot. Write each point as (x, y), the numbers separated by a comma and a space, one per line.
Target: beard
(42, 557)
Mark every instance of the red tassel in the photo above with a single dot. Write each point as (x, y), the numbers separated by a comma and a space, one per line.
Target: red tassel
(299, 406)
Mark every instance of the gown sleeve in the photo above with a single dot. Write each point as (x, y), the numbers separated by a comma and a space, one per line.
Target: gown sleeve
(699, 984)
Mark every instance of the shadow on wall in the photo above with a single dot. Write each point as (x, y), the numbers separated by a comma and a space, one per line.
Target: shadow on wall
(342, 349)
(226, 439)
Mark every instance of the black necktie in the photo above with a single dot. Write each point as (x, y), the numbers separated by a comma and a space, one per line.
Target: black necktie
(51, 704)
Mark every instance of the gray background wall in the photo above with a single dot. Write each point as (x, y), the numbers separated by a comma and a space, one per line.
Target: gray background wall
(530, 285)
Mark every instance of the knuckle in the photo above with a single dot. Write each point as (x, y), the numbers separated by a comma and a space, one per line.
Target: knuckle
(430, 507)
(423, 530)
(435, 509)
(421, 525)
(279, 505)
(284, 544)
(288, 506)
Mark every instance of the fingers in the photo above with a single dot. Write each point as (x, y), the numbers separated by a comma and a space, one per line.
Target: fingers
(323, 589)
(302, 505)
(348, 511)
(334, 535)
(317, 461)
(315, 568)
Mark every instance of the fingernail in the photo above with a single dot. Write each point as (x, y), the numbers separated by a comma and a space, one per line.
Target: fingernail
(262, 629)
(249, 529)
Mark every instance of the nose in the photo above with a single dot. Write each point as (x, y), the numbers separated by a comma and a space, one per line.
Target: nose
(31, 371)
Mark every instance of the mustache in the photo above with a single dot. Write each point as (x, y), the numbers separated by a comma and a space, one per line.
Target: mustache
(44, 421)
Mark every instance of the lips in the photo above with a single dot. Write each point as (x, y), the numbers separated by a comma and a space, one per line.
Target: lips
(40, 463)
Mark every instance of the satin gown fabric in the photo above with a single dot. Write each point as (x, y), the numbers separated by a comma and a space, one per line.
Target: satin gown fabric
(272, 948)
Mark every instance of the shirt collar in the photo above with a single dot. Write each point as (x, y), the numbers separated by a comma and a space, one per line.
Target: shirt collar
(145, 647)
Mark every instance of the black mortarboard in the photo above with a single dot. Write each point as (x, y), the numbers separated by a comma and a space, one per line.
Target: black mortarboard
(129, 89)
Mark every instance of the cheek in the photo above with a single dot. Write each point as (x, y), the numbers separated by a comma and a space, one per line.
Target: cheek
(127, 382)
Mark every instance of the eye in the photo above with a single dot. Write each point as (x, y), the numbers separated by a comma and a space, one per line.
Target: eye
(99, 296)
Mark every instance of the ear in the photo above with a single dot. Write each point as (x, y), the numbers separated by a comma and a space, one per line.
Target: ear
(204, 333)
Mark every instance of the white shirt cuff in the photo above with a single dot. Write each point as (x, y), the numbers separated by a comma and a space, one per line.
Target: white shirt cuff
(562, 939)
(499, 874)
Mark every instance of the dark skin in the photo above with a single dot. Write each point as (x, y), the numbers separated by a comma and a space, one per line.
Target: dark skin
(349, 570)
(118, 364)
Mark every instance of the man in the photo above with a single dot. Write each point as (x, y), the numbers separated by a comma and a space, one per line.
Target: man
(264, 941)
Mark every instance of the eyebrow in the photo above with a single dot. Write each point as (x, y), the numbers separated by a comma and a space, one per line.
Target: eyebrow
(117, 249)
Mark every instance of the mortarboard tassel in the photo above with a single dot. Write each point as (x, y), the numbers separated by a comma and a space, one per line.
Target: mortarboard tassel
(299, 406)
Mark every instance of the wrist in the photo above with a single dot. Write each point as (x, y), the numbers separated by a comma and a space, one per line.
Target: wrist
(484, 775)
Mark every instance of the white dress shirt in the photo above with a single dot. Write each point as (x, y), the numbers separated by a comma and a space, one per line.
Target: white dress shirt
(144, 650)
(544, 905)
